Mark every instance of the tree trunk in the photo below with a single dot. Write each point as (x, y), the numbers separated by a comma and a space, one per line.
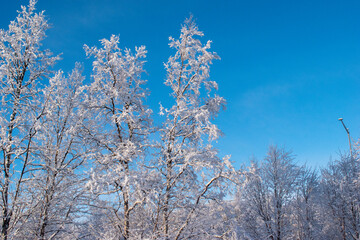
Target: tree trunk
(167, 198)
(126, 205)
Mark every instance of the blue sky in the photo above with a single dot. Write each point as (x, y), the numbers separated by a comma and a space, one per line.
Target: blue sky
(288, 69)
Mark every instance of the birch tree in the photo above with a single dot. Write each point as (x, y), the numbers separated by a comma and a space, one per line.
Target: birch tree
(23, 64)
(267, 196)
(282, 177)
(340, 198)
(188, 162)
(306, 205)
(254, 207)
(118, 130)
(59, 146)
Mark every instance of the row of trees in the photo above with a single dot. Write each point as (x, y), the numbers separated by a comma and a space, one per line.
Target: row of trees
(281, 200)
(82, 158)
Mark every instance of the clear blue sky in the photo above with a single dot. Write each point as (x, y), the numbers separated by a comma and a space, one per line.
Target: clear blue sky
(289, 69)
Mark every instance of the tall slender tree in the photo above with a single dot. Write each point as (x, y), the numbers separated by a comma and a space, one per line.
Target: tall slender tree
(23, 64)
(118, 130)
(188, 162)
(59, 146)
(306, 204)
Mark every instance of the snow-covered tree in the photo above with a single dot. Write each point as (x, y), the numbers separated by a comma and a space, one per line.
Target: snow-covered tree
(188, 162)
(23, 64)
(58, 146)
(341, 199)
(305, 216)
(118, 131)
(281, 176)
(84, 161)
(265, 199)
(254, 213)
